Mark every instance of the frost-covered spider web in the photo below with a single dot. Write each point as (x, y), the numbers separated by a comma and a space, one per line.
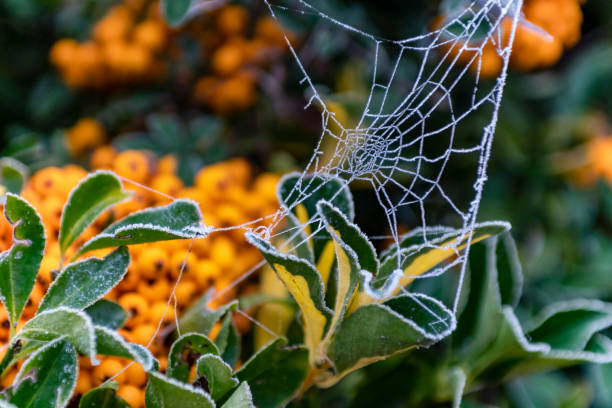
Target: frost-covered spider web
(412, 130)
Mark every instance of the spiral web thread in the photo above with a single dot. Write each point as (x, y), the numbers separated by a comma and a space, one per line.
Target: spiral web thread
(387, 148)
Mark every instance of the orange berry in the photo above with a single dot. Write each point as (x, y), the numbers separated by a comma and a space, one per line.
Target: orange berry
(143, 333)
(269, 30)
(137, 60)
(152, 262)
(5, 325)
(205, 88)
(200, 247)
(167, 164)
(132, 395)
(150, 34)
(560, 18)
(184, 261)
(8, 378)
(136, 375)
(236, 93)
(130, 281)
(133, 165)
(227, 59)
(114, 26)
(229, 215)
(185, 292)
(137, 307)
(6, 233)
(161, 310)
(47, 181)
(63, 51)
(206, 272)
(83, 383)
(51, 211)
(265, 186)
(167, 183)
(232, 20)
(154, 289)
(107, 369)
(222, 251)
(86, 134)
(102, 158)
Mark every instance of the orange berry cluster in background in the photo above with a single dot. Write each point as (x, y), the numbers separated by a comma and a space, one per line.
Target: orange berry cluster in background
(235, 58)
(561, 19)
(126, 46)
(590, 162)
(228, 195)
(84, 136)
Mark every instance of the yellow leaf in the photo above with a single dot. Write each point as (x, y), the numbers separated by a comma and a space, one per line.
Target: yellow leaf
(274, 316)
(325, 262)
(314, 319)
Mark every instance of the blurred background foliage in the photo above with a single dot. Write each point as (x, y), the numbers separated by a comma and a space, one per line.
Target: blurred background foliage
(78, 75)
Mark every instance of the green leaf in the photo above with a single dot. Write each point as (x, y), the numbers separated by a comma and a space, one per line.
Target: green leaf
(299, 194)
(19, 265)
(175, 11)
(228, 341)
(509, 270)
(241, 398)
(350, 234)
(309, 189)
(178, 220)
(218, 374)
(374, 332)
(84, 282)
(103, 396)
(110, 343)
(48, 377)
(107, 313)
(198, 318)
(418, 260)
(275, 373)
(165, 392)
(94, 194)
(348, 261)
(185, 352)
(304, 283)
(74, 325)
(13, 174)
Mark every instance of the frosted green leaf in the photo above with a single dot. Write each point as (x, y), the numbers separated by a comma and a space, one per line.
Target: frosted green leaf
(12, 174)
(165, 392)
(82, 283)
(218, 374)
(107, 313)
(198, 318)
(104, 396)
(19, 265)
(228, 341)
(299, 194)
(48, 377)
(74, 325)
(184, 353)
(175, 10)
(93, 195)
(241, 398)
(110, 343)
(275, 373)
(376, 331)
(178, 220)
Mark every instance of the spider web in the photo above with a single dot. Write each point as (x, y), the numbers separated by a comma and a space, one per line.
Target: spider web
(395, 145)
